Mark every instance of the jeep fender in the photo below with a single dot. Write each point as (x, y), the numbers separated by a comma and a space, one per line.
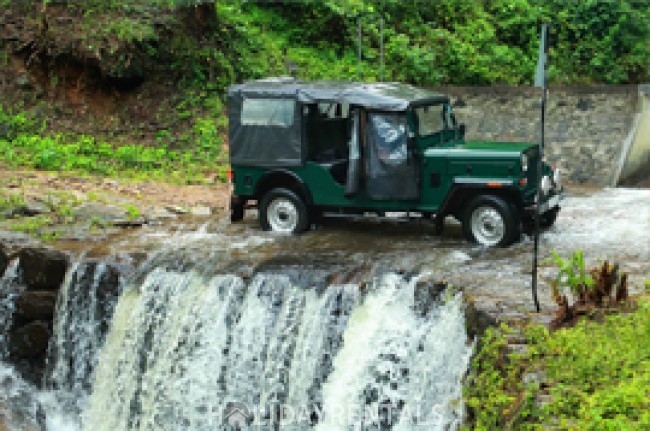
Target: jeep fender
(463, 190)
(282, 178)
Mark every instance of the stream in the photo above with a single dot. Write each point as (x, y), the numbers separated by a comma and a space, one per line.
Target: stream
(353, 326)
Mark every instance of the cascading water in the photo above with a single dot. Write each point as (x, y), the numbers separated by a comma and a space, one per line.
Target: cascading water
(398, 367)
(84, 311)
(9, 291)
(191, 352)
(181, 350)
(22, 406)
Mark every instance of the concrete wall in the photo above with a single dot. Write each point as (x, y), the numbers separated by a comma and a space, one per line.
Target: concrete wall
(635, 165)
(586, 126)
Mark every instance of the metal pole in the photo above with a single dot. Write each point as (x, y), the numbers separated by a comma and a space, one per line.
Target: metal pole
(539, 164)
(381, 49)
(359, 65)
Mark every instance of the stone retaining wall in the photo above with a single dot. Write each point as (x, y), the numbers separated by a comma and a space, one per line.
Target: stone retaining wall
(585, 125)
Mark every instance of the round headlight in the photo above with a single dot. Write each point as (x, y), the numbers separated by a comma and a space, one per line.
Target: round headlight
(546, 184)
(524, 162)
(557, 178)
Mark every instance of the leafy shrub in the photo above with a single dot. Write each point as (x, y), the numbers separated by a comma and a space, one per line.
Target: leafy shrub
(595, 377)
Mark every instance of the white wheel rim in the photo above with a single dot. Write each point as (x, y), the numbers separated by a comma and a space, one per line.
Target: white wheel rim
(488, 226)
(282, 215)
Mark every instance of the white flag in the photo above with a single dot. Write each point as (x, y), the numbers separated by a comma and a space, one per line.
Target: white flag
(540, 72)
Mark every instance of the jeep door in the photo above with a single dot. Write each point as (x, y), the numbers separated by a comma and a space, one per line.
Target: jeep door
(391, 169)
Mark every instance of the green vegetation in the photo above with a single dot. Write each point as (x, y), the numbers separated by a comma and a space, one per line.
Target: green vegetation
(132, 212)
(197, 49)
(571, 273)
(591, 376)
(35, 226)
(451, 41)
(447, 42)
(597, 377)
(87, 155)
(10, 202)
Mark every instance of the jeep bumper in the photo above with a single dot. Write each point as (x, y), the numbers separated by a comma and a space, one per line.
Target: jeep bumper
(549, 204)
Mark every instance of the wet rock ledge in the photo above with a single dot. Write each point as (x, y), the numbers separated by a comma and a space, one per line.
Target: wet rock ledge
(35, 276)
(35, 287)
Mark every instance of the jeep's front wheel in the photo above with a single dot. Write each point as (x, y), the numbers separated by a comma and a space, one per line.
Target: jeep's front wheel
(490, 221)
(282, 210)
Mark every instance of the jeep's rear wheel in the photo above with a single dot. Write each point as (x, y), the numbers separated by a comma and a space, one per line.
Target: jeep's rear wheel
(490, 221)
(282, 210)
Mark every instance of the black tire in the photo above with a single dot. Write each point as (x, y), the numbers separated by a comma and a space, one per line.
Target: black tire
(282, 210)
(489, 220)
(547, 219)
(236, 212)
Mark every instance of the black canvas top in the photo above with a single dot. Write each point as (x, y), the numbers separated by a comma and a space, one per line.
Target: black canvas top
(386, 96)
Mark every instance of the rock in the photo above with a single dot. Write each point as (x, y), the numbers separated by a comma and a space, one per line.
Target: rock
(156, 214)
(29, 341)
(23, 82)
(129, 222)
(104, 213)
(520, 349)
(584, 105)
(31, 209)
(534, 377)
(201, 211)
(49, 201)
(36, 305)
(477, 321)
(43, 268)
(4, 261)
(176, 210)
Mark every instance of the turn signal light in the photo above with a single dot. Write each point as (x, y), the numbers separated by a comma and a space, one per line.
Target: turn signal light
(231, 176)
(523, 182)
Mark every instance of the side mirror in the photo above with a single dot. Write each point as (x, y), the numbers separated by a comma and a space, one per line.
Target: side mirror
(461, 129)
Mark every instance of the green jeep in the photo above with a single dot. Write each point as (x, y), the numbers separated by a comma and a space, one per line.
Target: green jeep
(299, 149)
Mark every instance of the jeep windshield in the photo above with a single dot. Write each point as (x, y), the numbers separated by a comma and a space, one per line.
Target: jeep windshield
(432, 119)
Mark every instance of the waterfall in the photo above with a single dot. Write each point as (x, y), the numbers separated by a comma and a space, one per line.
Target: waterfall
(398, 367)
(23, 406)
(188, 351)
(9, 290)
(84, 310)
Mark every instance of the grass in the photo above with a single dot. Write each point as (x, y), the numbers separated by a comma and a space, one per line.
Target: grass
(87, 155)
(597, 377)
(9, 201)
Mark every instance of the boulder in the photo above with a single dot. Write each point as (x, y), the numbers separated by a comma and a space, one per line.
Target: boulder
(201, 211)
(36, 305)
(29, 341)
(4, 261)
(43, 268)
(106, 214)
(34, 208)
(23, 82)
(476, 320)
